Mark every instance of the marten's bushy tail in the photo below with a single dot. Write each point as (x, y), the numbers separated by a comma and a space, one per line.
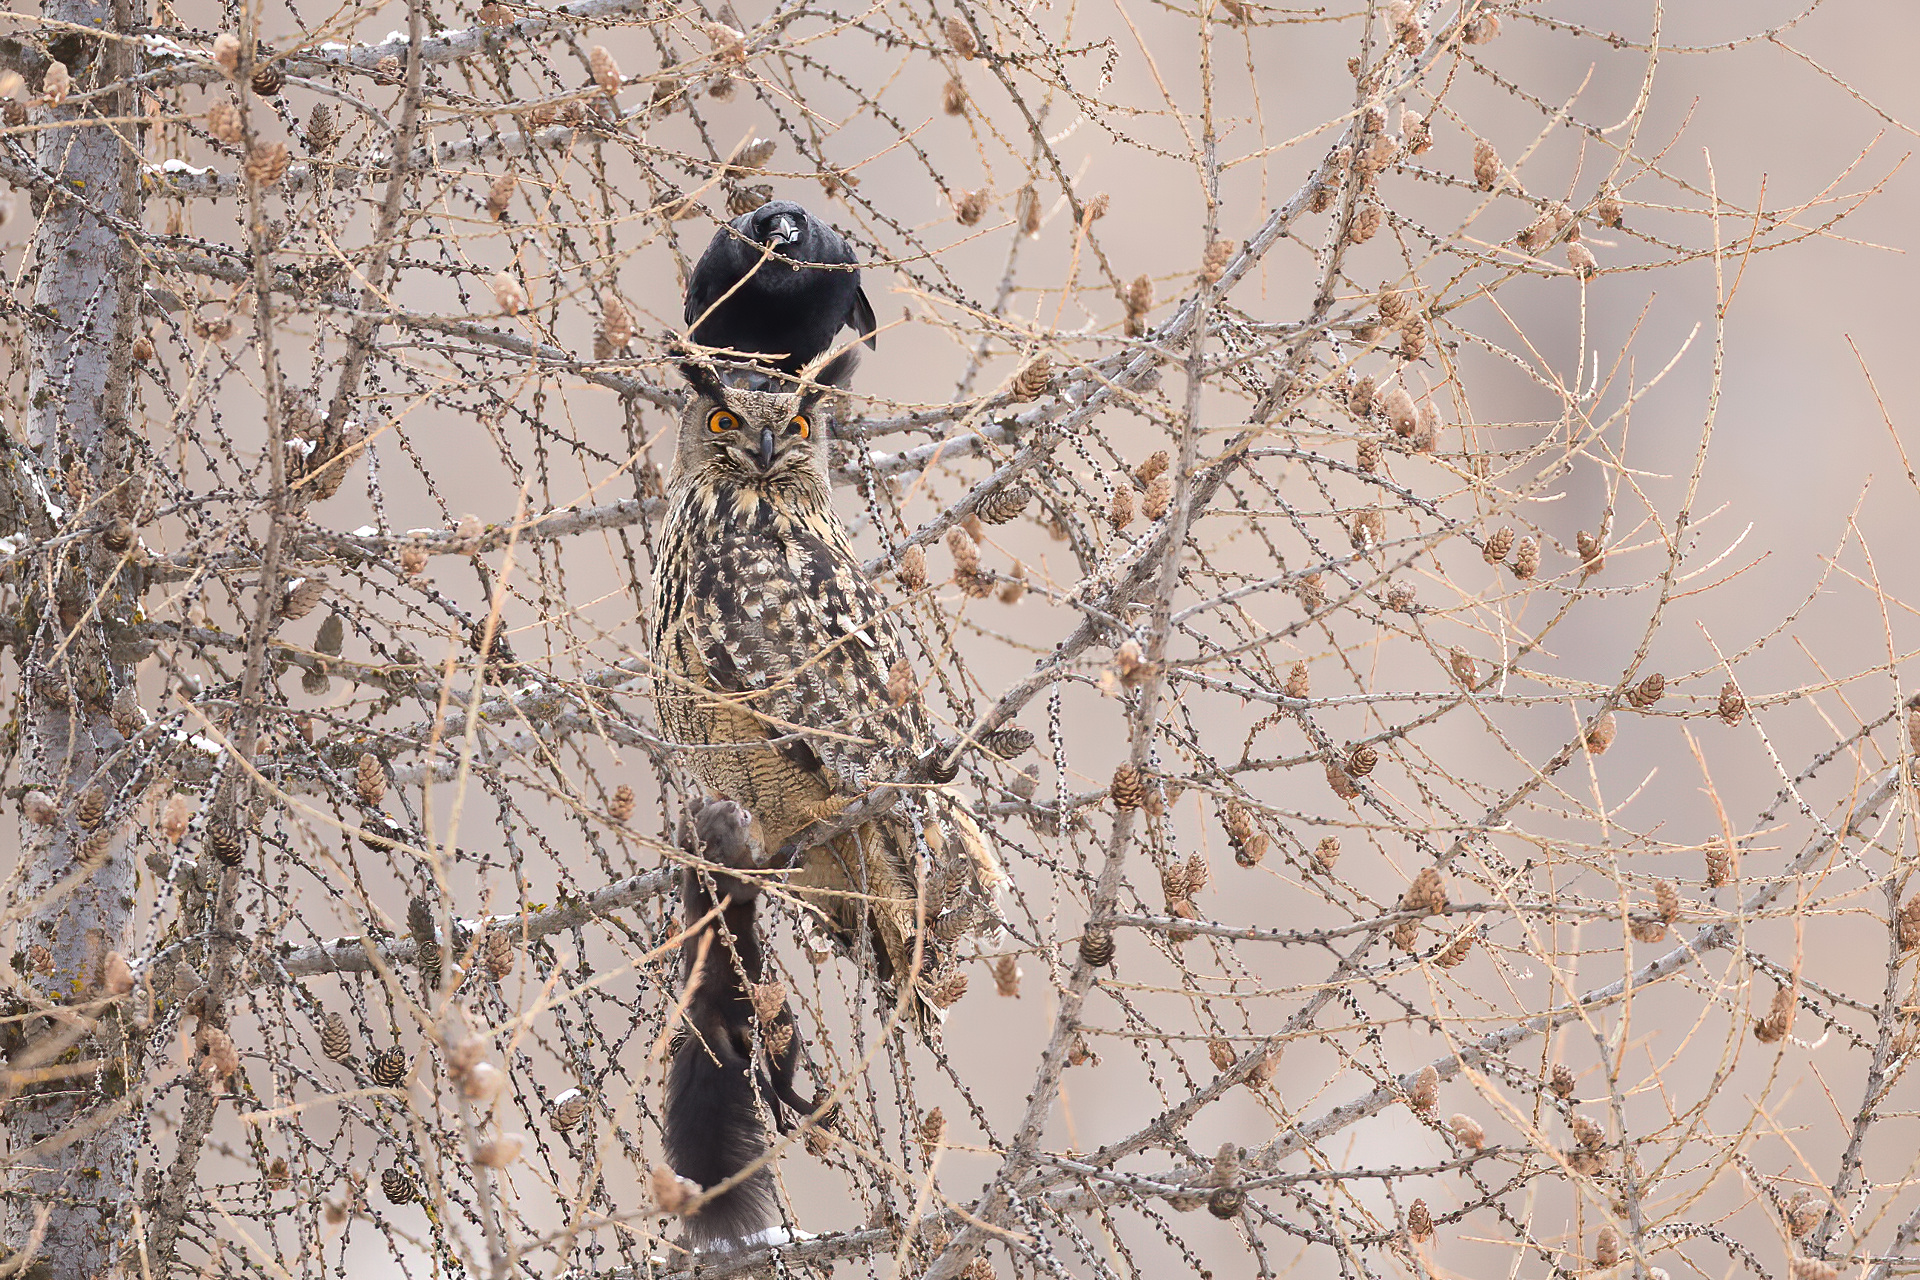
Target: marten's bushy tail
(713, 1128)
(712, 1133)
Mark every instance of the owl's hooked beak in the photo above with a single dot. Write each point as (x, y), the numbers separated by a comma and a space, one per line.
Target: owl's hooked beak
(766, 449)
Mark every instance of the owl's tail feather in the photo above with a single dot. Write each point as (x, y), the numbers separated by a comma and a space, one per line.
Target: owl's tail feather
(866, 885)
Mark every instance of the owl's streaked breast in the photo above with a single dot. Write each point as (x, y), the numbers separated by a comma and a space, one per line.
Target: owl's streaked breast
(738, 539)
(762, 601)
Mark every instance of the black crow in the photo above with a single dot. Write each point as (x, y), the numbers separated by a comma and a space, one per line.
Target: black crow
(758, 292)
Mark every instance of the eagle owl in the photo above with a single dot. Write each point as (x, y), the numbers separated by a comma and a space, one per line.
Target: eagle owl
(773, 652)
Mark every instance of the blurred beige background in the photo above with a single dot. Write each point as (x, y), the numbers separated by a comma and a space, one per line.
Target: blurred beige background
(1802, 467)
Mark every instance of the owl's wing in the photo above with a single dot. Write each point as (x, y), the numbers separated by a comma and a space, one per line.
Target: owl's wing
(809, 644)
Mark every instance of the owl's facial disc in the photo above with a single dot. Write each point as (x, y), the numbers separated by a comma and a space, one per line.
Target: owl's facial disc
(782, 448)
(763, 442)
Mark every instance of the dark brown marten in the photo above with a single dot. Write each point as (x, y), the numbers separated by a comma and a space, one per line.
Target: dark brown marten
(712, 1128)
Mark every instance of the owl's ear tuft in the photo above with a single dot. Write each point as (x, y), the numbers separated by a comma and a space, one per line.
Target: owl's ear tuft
(701, 376)
(839, 370)
(835, 373)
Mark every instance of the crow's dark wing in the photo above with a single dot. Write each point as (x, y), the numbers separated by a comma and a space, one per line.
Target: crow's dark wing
(863, 319)
(821, 243)
(717, 271)
(828, 247)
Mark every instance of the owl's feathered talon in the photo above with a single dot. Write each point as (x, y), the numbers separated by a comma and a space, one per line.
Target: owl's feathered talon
(839, 816)
(826, 820)
(830, 808)
(824, 828)
(934, 765)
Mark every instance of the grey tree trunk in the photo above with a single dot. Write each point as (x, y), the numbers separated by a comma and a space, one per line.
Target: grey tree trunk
(72, 1147)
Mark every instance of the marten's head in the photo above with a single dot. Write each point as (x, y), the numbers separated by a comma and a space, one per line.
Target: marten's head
(719, 834)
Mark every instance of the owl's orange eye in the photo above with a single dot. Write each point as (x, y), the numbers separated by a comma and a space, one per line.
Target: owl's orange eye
(801, 427)
(720, 420)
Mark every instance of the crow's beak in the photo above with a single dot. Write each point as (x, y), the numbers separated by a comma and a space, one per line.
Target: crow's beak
(783, 230)
(766, 449)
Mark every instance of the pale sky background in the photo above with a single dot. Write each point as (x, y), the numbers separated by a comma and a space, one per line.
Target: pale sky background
(1799, 442)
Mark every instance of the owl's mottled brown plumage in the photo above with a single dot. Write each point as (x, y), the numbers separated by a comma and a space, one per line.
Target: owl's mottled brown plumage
(774, 652)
